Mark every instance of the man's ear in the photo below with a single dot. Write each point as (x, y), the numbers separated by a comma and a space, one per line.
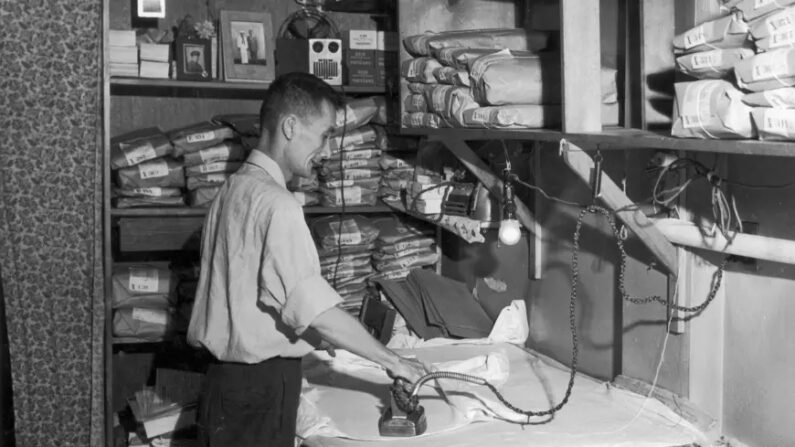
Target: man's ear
(288, 126)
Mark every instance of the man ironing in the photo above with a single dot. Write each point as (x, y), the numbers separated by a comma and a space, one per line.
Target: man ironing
(261, 302)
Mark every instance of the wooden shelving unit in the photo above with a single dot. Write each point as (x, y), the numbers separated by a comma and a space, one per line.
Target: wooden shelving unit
(167, 87)
(186, 211)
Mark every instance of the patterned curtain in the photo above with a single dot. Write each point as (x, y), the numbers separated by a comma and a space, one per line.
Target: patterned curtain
(50, 217)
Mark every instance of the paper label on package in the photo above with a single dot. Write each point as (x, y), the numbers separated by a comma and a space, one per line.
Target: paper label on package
(780, 22)
(400, 246)
(143, 280)
(437, 99)
(364, 154)
(212, 167)
(778, 122)
(407, 262)
(150, 316)
(140, 153)
(355, 174)
(201, 137)
(417, 101)
(413, 69)
(769, 68)
(153, 169)
(215, 178)
(707, 59)
(339, 184)
(351, 195)
(215, 153)
(696, 105)
(694, 37)
(151, 192)
(782, 38)
(348, 233)
(354, 163)
(481, 115)
(415, 119)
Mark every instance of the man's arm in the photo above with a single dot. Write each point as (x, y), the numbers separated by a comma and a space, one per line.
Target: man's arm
(343, 331)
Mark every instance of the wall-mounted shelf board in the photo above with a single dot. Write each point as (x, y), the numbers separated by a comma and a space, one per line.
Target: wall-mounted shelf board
(615, 138)
(156, 87)
(185, 211)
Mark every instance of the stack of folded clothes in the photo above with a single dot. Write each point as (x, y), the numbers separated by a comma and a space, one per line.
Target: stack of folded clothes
(145, 170)
(402, 244)
(345, 244)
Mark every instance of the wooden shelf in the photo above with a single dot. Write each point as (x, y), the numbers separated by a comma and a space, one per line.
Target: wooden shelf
(185, 211)
(156, 87)
(615, 138)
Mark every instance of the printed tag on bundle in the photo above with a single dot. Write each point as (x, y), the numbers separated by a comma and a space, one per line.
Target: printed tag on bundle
(348, 233)
(143, 280)
(695, 37)
(215, 153)
(707, 59)
(201, 137)
(153, 169)
(139, 154)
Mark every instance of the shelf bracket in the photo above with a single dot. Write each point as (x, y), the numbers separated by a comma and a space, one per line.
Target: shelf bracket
(583, 165)
(492, 182)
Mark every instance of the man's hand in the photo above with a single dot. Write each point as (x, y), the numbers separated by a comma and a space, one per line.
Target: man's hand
(409, 369)
(327, 347)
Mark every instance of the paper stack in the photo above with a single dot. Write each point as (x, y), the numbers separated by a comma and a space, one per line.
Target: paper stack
(123, 53)
(168, 407)
(154, 60)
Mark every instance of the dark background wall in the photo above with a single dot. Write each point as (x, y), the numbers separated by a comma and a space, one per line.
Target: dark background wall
(50, 226)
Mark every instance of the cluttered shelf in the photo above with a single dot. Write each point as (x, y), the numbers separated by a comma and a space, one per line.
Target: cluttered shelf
(198, 211)
(145, 86)
(614, 138)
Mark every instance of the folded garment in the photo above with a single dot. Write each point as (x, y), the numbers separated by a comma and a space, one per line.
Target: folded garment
(767, 71)
(518, 39)
(502, 78)
(148, 192)
(135, 284)
(223, 151)
(420, 69)
(146, 201)
(204, 180)
(199, 136)
(161, 172)
(450, 304)
(710, 109)
(774, 124)
(203, 197)
(223, 167)
(780, 98)
(348, 196)
(331, 231)
(528, 116)
(138, 146)
(725, 32)
(753, 9)
(244, 124)
(712, 64)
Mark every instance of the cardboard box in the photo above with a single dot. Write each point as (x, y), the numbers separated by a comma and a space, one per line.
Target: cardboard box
(360, 58)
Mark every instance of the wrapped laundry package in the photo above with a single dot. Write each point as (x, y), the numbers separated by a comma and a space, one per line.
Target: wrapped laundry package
(244, 124)
(142, 323)
(199, 136)
(224, 167)
(367, 134)
(424, 119)
(350, 230)
(139, 146)
(161, 172)
(205, 180)
(753, 9)
(767, 71)
(148, 192)
(415, 103)
(393, 229)
(360, 111)
(203, 197)
(711, 109)
(530, 116)
(775, 30)
(712, 64)
(365, 183)
(143, 285)
(137, 202)
(518, 39)
(502, 78)
(330, 175)
(726, 32)
(224, 151)
(307, 198)
(450, 75)
(780, 98)
(420, 69)
(416, 45)
(774, 124)
(349, 196)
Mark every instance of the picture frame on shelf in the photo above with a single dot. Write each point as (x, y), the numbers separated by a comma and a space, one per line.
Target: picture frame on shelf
(247, 42)
(193, 59)
(152, 9)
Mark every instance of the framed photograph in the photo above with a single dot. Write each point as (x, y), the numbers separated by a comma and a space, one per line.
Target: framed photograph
(152, 8)
(248, 46)
(194, 59)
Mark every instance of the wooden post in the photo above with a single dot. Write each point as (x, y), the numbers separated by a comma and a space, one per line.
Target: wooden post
(582, 164)
(581, 66)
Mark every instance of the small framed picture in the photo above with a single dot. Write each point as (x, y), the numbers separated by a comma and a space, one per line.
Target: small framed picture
(248, 46)
(194, 59)
(152, 8)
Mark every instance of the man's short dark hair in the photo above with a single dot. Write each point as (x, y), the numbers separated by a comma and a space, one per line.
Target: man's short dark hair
(301, 94)
(195, 53)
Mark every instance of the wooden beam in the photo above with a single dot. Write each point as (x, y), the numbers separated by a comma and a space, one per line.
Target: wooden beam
(492, 182)
(614, 197)
(581, 65)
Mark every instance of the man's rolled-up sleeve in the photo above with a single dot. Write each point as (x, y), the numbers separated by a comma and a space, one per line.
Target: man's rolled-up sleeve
(291, 270)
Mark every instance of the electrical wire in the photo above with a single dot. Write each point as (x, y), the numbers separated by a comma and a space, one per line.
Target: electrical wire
(342, 191)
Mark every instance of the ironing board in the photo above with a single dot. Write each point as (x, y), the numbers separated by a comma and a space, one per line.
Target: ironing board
(596, 414)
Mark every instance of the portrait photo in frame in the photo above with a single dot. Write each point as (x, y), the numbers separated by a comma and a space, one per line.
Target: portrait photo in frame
(194, 59)
(248, 46)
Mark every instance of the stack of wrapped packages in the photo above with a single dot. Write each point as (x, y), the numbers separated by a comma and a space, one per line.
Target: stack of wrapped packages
(345, 244)
(145, 170)
(210, 154)
(494, 78)
(745, 65)
(402, 244)
(143, 300)
(350, 176)
(401, 173)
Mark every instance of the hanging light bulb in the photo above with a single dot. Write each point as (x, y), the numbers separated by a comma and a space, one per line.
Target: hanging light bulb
(510, 230)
